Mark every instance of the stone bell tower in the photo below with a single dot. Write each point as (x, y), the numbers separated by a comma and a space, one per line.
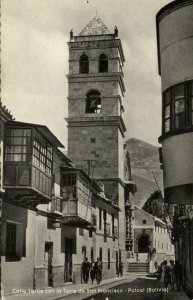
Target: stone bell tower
(95, 110)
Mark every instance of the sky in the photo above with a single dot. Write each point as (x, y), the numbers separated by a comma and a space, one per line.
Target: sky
(34, 56)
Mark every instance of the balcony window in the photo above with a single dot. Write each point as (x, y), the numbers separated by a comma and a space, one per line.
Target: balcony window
(167, 112)
(178, 107)
(179, 104)
(42, 154)
(69, 186)
(18, 145)
(77, 198)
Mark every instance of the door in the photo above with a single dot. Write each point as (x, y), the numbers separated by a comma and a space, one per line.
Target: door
(68, 260)
(48, 256)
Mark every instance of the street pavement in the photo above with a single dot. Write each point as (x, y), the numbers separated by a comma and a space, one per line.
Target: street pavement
(139, 289)
(130, 286)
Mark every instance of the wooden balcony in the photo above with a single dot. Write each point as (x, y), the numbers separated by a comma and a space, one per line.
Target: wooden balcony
(75, 213)
(76, 193)
(28, 159)
(55, 209)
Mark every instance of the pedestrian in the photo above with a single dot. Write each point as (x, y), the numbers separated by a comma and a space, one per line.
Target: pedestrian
(85, 270)
(92, 270)
(100, 268)
(117, 268)
(178, 275)
(120, 268)
(137, 256)
(165, 276)
(148, 253)
(172, 274)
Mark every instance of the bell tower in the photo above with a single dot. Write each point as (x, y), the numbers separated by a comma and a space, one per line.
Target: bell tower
(95, 110)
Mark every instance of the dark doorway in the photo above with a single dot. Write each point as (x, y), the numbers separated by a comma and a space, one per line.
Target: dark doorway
(117, 262)
(144, 242)
(48, 256)
(68, 259)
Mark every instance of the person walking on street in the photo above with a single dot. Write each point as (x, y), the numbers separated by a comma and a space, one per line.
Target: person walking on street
(92, 270)
(165, 276)
(120, 269)
(178, 275)
(100, 268)
(85, 270)
(172, 274)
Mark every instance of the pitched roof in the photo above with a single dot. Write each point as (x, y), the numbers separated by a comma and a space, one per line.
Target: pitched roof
(95, 27)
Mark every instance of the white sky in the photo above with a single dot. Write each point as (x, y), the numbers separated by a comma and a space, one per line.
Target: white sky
(35, 59)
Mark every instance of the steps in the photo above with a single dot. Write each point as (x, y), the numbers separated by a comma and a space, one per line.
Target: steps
(140, 267)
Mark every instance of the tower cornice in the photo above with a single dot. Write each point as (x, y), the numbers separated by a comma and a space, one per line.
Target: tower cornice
(97, 121)
(98, 77)
(95, 43)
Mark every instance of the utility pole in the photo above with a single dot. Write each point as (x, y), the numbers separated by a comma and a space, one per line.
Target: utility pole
(89, 163)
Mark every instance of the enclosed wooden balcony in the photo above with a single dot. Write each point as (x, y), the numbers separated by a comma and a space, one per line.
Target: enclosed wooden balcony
(55, 207)
(76, 193)
(28, 159)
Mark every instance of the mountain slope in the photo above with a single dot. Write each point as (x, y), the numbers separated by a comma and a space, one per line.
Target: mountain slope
(145, 164)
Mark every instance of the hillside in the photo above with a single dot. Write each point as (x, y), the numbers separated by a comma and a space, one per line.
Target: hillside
(144, 159)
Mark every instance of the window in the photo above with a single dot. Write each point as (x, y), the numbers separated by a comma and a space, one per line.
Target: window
(178, 107)
(81, 231)
(113, 225)
(100, 218)
(83, 252)
(91, 253)
(84, 194)
(84, 64)
(90, 233)
(92, 140)
(69, 186)
(103, 63)
(18, 145)
(144, 221)
(109, 258)
(108, 229)
(155, 243)
(101, 253)
(93, 102)
(94, 220)
(42, 154)
(167, 106)
(115, 232)
(105, 225)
